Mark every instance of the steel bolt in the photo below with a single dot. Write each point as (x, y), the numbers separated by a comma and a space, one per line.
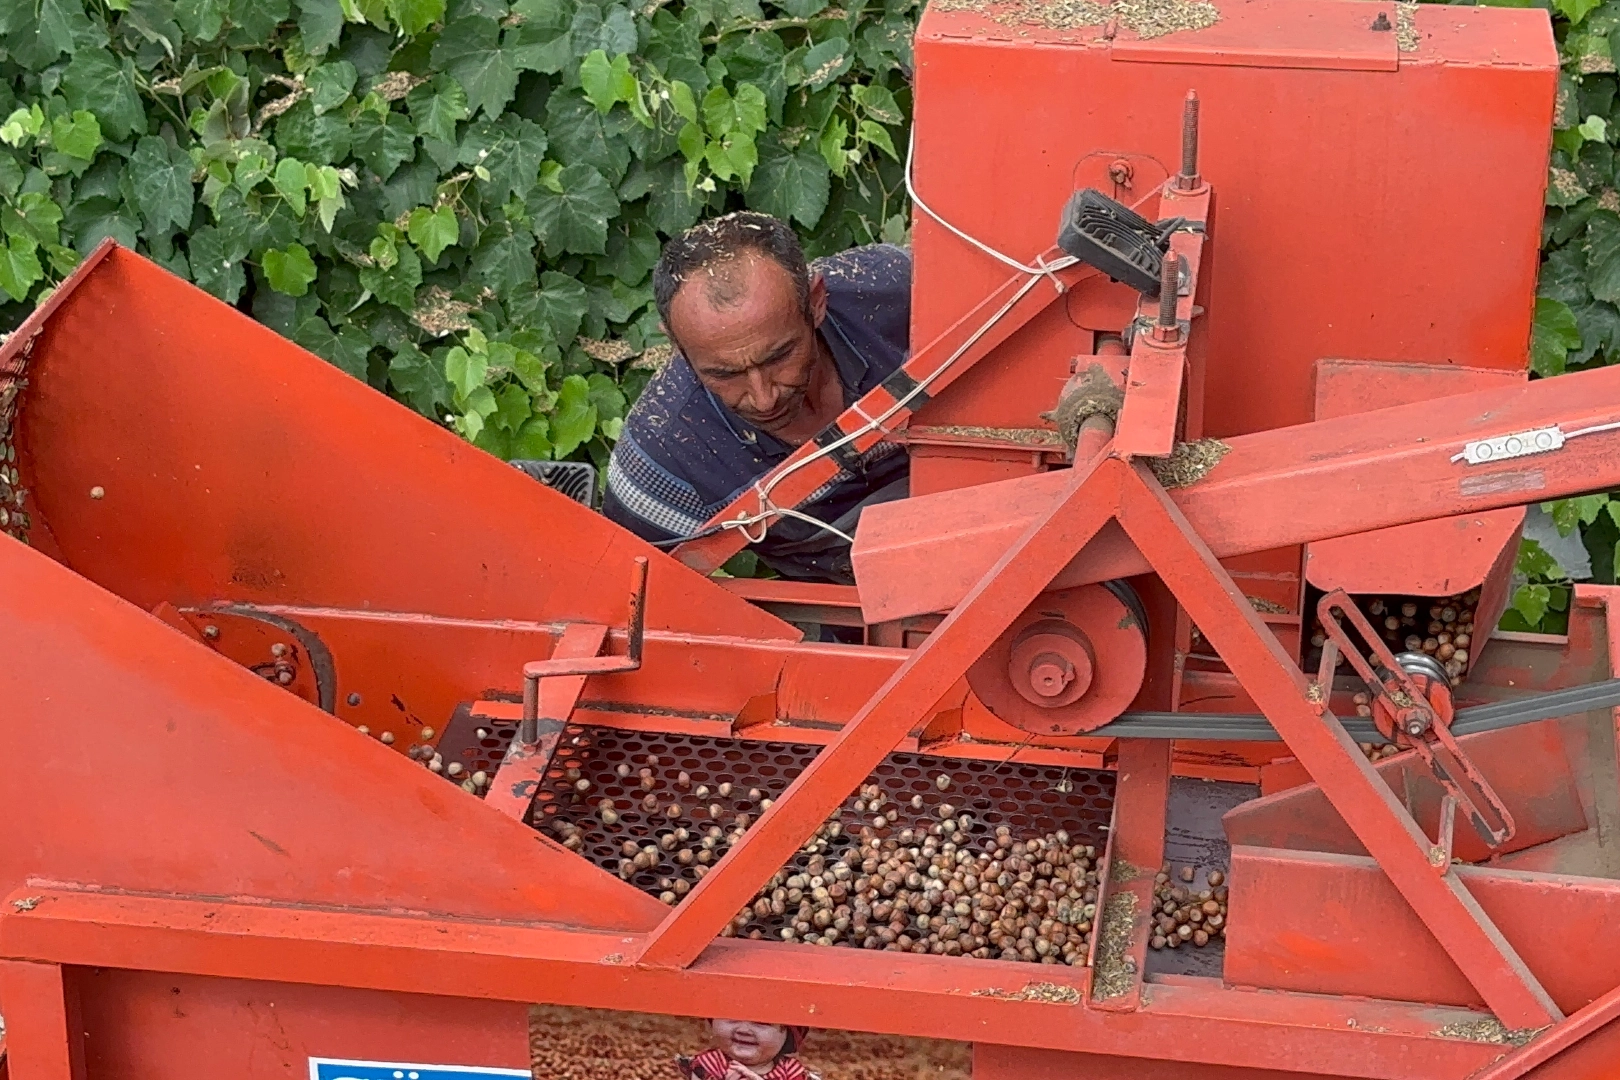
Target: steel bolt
(211, 633)
(1189, 143)
(354, 699)
(1168, 330)
(1120, 172)
(278, 650)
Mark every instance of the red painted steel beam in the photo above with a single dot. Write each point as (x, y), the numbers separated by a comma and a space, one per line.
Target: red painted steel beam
(1599, 1014)
(906, 994)
(905, 699)
(932, 361)
(1273, 489)
(40, 1043)
(1335, 762)
(1135, 853)
(1148, 421)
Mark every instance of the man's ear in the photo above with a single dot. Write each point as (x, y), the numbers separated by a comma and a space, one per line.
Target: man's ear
(818, 299)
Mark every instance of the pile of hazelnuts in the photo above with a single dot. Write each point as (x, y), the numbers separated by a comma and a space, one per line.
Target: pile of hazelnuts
(1184, 914)
(962, 891)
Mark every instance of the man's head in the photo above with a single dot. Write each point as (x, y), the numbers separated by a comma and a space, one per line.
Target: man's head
(737, 299)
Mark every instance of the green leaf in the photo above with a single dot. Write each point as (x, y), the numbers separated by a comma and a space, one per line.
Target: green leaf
(511, 407)
(1530, 601)
(330, 85)
(632, 251)
(510, 150)
(323, 140)
(383, 142)
(1534, 562)
(1554, 333)
(581, 135)
(433, 230)
(34, 215)
(161, 178)
(19, 267)
(681, 100)
(724, 114)
(791, 184)
(465, 370)
(530, 370)
(77, 136)
(11, 176)
(574, 419)
(398, 283)
(560, 304)
(607, 397)
(831, 147)
(420, 381)
(1594, 128)
(95, 82)
(436, 106)
(414, 16)
(469, 50)
(878, 135)
(596, 79)
(290, 271)
(1576, 10)
(1565, 513)
(290, 182)
(215, 266)
(692, 142)
(575, 219)
(878, 103)
(542, 41)
(532, 441)
(826, 62)
(319, 21)
(1602, 247)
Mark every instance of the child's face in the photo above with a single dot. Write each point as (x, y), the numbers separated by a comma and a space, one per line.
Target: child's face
(749, 1043)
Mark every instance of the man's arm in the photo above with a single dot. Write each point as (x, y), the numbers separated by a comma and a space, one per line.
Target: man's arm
(646, 498)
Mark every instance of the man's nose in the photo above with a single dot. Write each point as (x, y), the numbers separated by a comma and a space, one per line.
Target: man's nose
(761, 391)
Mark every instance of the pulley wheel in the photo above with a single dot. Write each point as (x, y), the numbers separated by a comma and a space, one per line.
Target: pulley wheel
(1072, 662)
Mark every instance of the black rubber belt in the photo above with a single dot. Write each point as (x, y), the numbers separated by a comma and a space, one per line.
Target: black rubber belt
(1253, 727)
(846, 456)
(900, 384)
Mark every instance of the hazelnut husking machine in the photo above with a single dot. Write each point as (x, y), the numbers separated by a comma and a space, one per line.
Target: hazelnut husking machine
(326, 735)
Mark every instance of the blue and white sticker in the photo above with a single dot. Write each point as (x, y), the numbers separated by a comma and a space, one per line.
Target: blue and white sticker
(339, 1069)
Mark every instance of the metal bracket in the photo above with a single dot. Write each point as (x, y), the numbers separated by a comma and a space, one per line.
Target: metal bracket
(1412, 708)
(535, 670)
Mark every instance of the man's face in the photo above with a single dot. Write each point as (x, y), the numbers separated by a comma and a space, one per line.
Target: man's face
(749, 1043)
(754, 349)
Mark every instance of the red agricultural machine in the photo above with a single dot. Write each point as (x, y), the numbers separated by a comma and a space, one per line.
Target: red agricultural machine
(327, 736)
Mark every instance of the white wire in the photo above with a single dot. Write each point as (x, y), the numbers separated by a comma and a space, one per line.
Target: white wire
(1040, 269)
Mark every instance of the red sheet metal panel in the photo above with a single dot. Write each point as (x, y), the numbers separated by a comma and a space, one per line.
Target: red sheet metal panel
(1427, 558)
(139, 760)
(1333, 924)
(1335, 230)
(234, 465)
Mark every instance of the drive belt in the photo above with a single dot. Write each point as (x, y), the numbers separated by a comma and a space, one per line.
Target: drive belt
(1253, 727)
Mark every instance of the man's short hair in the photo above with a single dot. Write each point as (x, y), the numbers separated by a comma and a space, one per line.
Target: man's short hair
(719, 240)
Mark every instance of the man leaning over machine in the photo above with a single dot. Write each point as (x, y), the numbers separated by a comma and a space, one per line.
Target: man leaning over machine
(769, 351)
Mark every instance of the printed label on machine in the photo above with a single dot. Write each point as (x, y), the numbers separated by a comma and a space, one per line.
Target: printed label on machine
(339, 1069)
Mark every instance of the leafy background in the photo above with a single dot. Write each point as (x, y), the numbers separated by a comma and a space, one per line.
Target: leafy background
(461, 201)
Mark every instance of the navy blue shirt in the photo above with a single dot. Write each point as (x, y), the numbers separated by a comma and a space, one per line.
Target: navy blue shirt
(683, 456)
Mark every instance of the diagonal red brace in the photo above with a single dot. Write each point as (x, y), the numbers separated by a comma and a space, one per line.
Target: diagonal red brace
(1315, 736)
(908, 696)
